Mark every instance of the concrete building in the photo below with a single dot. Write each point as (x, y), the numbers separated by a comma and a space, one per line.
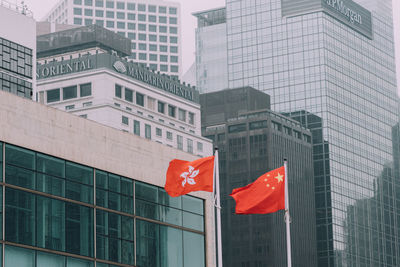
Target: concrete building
(333, 59)
(252, 140)
(153, 26)
(17, 50)
(211, 50)
(76, 193)
(83, 71)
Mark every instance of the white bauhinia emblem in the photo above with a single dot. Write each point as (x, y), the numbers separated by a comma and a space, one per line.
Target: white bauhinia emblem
(189, 176)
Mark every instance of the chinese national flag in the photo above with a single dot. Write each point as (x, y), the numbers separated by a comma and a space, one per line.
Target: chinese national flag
(264, 195)
(187, 176)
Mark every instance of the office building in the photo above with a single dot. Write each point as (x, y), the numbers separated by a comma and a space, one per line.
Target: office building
(17, 50)
(83, 71)
(153, 26)
(333, 59)
(76, 193)
(252, 140)
(211, 50)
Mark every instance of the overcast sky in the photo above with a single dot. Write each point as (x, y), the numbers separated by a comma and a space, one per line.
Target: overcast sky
(41, 7)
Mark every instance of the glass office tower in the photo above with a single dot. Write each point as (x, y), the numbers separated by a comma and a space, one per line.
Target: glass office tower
(334, 59)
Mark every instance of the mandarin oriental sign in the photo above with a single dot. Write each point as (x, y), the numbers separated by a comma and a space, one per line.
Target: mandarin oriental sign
(87, 64)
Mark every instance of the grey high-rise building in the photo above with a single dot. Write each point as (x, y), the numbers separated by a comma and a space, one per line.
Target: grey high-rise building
(253, 140)
(211, 50)
(334, 59)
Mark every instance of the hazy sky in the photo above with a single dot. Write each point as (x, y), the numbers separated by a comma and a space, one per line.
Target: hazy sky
(41, 7)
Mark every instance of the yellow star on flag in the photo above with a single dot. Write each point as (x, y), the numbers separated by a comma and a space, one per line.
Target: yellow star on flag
(279, 177)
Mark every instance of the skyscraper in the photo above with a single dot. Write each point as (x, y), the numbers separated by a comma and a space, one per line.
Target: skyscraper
(334, 59)
(211, 54)
(153, 26)
(17, 50)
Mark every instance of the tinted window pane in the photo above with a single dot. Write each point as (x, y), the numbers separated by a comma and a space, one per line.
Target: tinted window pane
(86, 89)
(79, 173)
(19, 257)
(193, 221)
(146, 192)
(21, 177)
(193, 204)
(50, 165)
(20, 157)
(69, 92)
(53, 95)
(194, 249)
(147, 248)
(171, 247)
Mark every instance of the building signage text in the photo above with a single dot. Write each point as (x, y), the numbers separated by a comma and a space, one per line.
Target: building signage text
(340, 6)
(49, 70)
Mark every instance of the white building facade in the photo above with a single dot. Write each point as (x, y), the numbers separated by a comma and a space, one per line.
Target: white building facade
(17, 50)
(97, 85)
(153, 27)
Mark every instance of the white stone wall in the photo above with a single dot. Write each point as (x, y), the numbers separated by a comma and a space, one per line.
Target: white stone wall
(57, 133)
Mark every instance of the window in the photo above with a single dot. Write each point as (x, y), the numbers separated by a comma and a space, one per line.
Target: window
(133, 45)
(110, 4)
(131, 26)
(237, 128)
(128, 95)
(169, 135)
(77, 2)
(140, 99)
(179, 142)
(110, 24)
(120, 25)
(171, 111)
(85, 89)
(53, 95)
(110, 14)
(173, 10)
(88, 22)
(258, 125)
(173, 30)
(120, 5)
(191, 118)
(173, 40)
(142, 46)
(147, 131)
(163, 38)
(118, 90)
(69, 107)
(173, 49)
(199, 147)
(77, 21)
(174, 68)
(161, 107)
(162, 19)
(77, 11)
(88, 2)
(136, 127)
(153, 66)
(159, 132)
(277, 126)
(182, 115)
(120, 15)
(152, 47)
(130, 6)
(141, 7)
(142, 37)
(141, 17)
(174, 59)
(189, 145)
(99, 13)
(163, 48)
(99, 3)
(88, 12)
(142, 56)
(69, 92)
(151, 103)
(163, 67)
(152, 18)
(131, 16)
(162, 29)
(142, 27)
(125, 120)
(153, 57)
(173, 20)
(162, 9)
(297, 134)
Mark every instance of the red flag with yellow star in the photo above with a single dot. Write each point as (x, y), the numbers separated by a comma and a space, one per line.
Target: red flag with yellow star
(264, 195)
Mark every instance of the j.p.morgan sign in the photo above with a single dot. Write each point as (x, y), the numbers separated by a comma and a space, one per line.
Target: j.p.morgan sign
(345, 11)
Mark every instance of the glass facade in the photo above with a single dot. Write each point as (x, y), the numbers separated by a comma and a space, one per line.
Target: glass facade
(60, 213)
(312, 65)
(211, 47)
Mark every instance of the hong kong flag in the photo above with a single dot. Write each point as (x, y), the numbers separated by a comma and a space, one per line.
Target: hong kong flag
(264, 195)
(187, 176)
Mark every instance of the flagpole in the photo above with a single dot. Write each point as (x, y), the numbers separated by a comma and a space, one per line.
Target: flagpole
(218, 206)
(287, 218)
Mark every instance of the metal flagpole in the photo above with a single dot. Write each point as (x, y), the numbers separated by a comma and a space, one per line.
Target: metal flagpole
(287, 217)
(218, 206)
